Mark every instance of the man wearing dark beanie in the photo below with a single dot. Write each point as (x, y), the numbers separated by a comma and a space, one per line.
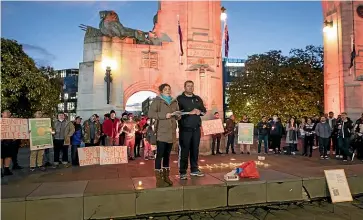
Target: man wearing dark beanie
(112, 129)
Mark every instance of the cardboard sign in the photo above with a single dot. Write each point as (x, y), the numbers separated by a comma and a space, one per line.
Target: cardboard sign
(113, 155)
(89, 156)
(338, 186)
(212, 127)
(40, 133)
(245, 133)
(14, 128)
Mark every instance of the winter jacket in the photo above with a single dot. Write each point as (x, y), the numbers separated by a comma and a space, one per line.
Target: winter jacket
(187, 104)
(112, 128)
(323, 130)
(276, 128)
(77, 136)
(230, 126)
(87, 131)
(261, 130)
(291, 135)
(63, 131)
(165, 128)
(309, 129)
(346, 129)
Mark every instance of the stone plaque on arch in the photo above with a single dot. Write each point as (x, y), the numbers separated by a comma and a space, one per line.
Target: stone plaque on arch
(149, 59)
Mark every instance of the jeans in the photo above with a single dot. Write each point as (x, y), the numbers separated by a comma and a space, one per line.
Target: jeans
(46, 156)
(214, 140)
(308, 145)
(230, 142)
(163, 151)
(323, 146)
(58, 147)
(265, 142)
(189, 140)
(74, 155)
(344, 144)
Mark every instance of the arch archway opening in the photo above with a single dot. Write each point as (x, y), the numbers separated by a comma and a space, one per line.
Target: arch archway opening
(139, 102)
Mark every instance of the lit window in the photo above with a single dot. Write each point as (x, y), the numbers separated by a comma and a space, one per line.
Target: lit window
(65, 95)
(61, 107)
(71, 106)
(72, 116)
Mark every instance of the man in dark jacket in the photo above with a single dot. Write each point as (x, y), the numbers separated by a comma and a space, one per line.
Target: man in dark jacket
(276, 134)
(263, 128)
(189, 130)
(230, 128)
(345, 129)
(333, 138)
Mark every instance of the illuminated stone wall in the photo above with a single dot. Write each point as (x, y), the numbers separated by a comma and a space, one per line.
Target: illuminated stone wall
(343, 87)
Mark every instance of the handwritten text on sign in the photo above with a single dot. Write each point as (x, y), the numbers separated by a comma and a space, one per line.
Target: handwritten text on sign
(338, 186)
(14, 128)
(212, 127)
(113, 155)
(89, 156)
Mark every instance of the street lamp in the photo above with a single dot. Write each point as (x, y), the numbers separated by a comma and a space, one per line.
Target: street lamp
(107, 65)
(328, 25)
(223, 14)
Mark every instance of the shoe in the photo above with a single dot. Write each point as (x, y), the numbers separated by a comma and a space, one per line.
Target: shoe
(345, 160)
(310, 155)
(341, 156)
(146, 158)
(151, 158)
(183, 176)
(32, 169)
(326, 157)
(337, 156)
(166, 176)
(328, 152)
(242, 152)
(321, 157)
(197, 173)
(17, 167)
(159, 179)
(42, 168)
(233, 152)
(7, 171)
(213, 153)
(66, 165)
(55, 165)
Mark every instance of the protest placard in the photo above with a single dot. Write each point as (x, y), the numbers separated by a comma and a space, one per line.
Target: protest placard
(338, 186)
(89, 156)
(245, 133)
(214, 126)
(14, 128)
(40, 133)
(113, 155)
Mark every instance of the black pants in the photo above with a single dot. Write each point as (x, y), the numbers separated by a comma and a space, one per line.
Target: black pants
(230, 142)
(189, 144)
(276, 142)
(214, 140)
(323, 146)
(163, 151)
(316, 141)
(74, 155)
(344, 145)
(15, 152)
(58, 147)
(91, 144)
(333, 141)
(138, 138)
(308, 145)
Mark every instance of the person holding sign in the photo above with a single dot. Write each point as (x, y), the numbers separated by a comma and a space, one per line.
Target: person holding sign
(192, 109)
(6, 150)
(216, 138)
(244, 147)
(162, 109)
(36, 156)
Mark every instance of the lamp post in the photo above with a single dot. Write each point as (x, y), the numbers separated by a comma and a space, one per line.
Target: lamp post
(108, 64)
(328, 25)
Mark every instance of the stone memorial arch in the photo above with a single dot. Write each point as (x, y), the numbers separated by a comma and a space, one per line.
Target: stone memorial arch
(141, 61)
(343, 79)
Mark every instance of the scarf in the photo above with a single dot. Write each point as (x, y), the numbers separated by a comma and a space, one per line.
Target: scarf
(167, 99)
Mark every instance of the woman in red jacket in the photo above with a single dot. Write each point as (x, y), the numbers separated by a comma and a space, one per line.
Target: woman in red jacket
(112, 129)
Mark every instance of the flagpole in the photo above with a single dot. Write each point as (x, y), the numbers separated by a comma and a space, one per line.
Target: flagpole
(223, 38)
(353, 41)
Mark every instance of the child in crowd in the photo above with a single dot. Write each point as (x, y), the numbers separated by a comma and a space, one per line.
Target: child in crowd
(150, 141)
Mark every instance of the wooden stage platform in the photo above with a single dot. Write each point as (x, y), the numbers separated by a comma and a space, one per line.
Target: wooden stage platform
(128, 190)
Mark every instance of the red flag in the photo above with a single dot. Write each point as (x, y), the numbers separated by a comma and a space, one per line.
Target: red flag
(226, 41)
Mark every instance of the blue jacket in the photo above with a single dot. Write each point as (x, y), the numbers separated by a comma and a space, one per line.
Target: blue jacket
(77, 137)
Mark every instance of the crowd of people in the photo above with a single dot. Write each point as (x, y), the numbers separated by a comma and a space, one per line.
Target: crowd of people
(340, 136)
(170, 117)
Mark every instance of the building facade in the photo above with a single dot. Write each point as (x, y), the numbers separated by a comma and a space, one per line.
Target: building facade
(146, 105)
(69, 93)
(231, 69)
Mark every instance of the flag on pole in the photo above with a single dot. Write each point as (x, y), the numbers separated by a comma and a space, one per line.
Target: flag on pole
(226, 40)
(352, 54)
(180, 38)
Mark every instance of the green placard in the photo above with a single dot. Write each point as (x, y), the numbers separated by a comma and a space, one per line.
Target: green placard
(245, 133)
(40, 133)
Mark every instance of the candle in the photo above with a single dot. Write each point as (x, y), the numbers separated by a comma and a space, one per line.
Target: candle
(140, 183)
